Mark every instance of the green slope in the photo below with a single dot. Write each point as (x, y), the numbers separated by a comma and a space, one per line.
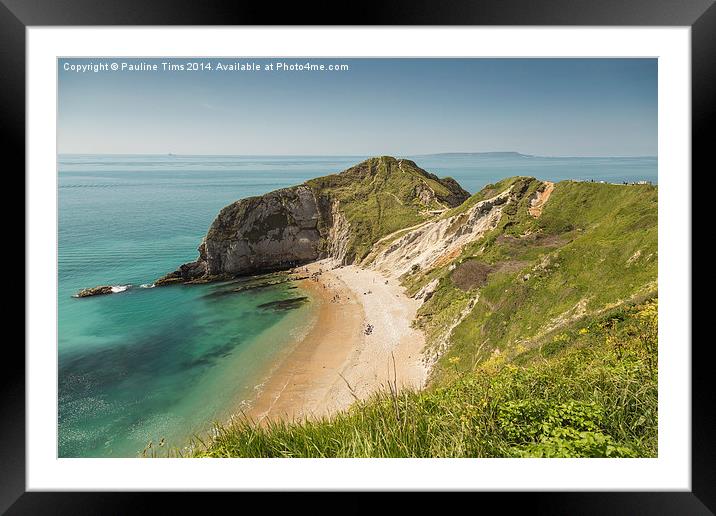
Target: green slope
(544, 329)
(593, 247)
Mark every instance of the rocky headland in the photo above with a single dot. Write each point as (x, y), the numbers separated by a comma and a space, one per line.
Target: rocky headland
(338, 216)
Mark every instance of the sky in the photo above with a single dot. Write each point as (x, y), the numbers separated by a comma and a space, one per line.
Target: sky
(545, 107)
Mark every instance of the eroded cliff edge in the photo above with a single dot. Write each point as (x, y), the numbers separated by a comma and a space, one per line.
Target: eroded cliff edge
(339, 216)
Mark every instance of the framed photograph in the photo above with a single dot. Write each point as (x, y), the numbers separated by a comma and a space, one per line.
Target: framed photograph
(445, 249)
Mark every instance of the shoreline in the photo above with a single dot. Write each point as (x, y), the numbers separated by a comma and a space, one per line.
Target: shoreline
(341, 358)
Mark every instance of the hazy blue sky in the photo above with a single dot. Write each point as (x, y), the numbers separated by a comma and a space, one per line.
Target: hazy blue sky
(553, 107)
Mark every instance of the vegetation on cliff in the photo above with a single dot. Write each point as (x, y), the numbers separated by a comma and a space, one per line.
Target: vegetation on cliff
(593, 247)
(382, 195)
(542, 329)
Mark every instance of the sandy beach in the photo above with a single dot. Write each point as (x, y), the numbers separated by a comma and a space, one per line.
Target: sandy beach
(363, 321)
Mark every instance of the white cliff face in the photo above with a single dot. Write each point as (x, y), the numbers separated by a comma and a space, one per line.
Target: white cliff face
(339, 235)
(437, 242)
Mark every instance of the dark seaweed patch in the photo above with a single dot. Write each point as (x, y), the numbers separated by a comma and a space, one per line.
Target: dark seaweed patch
(254, 283)
(284, 304)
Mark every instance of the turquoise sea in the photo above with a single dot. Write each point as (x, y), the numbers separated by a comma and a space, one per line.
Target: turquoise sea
(152, 363)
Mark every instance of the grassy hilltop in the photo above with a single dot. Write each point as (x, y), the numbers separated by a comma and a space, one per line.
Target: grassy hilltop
(382, 195)
(543, 333)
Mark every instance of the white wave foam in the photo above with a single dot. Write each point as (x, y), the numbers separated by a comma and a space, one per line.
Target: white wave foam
(119, 288)
(147, 285)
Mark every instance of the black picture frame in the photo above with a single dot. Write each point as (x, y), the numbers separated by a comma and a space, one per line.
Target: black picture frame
(700, 15)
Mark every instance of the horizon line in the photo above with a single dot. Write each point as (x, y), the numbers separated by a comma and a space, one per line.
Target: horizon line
(354, 155)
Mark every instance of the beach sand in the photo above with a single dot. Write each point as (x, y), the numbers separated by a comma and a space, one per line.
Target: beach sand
(336, 362)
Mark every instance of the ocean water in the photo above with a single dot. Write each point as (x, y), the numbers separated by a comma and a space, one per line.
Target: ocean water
(474, 171)
(152, 363)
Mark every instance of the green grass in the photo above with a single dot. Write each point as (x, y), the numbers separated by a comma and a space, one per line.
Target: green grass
(594, 396)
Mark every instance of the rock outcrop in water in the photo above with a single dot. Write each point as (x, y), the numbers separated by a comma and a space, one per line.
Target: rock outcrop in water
(338, 216)
(95, 291)
(101, 290)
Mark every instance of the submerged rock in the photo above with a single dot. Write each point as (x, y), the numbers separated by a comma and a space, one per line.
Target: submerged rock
(255, 283)
(284, 304)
